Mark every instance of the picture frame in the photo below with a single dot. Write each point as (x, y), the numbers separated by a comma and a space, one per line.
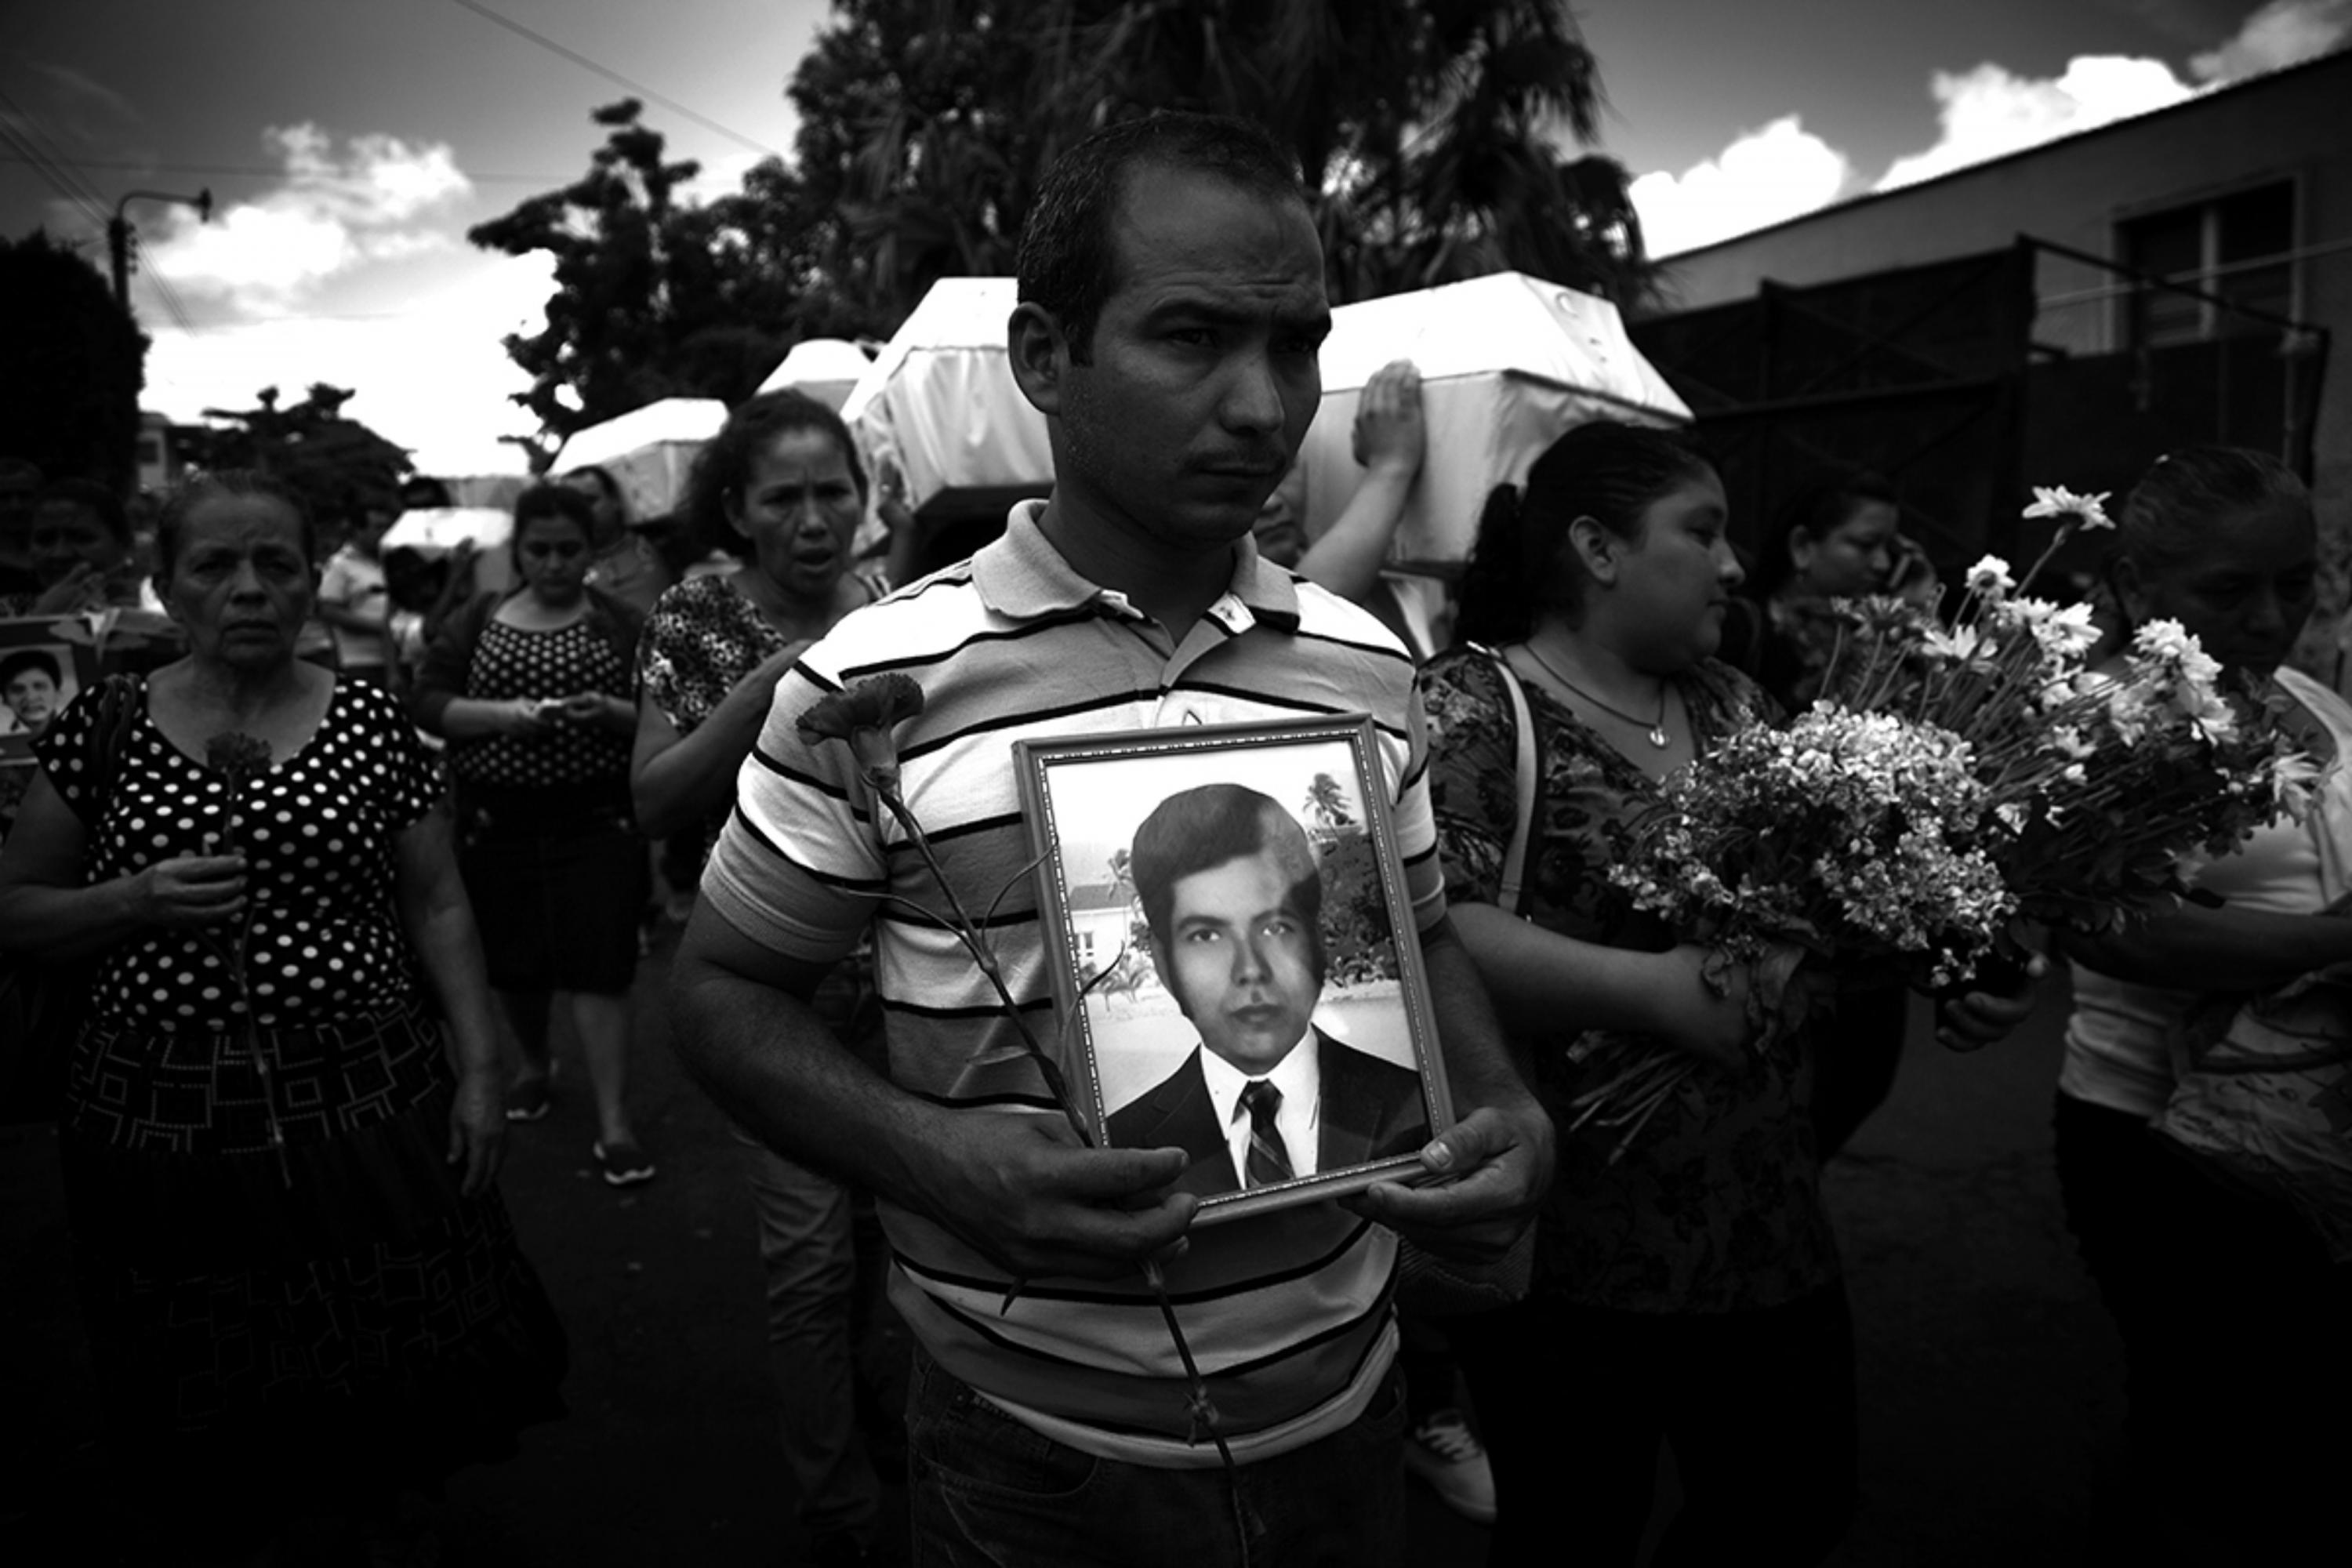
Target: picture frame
(44, 662)
(1255, 867)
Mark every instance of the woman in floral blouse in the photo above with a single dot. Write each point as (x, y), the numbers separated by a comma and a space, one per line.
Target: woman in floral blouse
(781, 486)
(1687, 1291)
(783, 483)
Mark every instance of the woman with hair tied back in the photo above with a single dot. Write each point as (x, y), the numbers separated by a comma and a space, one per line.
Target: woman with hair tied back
(1689, 1291)
(782, 487)
(2232, 1314)
(281, 1125)
(534, 690)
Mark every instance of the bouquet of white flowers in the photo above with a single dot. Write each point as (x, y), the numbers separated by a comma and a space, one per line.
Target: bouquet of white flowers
(1950, 790)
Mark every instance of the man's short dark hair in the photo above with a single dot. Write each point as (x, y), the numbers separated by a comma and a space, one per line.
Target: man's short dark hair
(1199, 829)
(25, 658)
(1067, 262)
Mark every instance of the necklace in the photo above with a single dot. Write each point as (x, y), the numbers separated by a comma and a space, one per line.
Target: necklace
(1656, 727)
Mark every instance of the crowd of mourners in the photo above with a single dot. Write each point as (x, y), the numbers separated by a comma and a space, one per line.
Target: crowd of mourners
(314, 867)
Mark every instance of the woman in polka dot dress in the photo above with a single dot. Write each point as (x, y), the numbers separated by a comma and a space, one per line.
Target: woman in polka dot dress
(302, 1293)
(535, 692)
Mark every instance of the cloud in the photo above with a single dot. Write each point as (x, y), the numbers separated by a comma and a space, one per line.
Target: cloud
(434, 378)
(2282, 33)
(1989, 112)
(1783, 171)
(1764, 176)
(335, 211)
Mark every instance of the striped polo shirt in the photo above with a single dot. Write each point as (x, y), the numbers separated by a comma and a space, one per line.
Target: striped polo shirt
(1287, 1313)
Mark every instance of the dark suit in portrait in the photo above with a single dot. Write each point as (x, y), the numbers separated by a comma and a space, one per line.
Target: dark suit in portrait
(1371, 1108)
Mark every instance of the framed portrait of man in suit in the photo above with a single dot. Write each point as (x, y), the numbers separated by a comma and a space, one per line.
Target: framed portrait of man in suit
(1234, 954)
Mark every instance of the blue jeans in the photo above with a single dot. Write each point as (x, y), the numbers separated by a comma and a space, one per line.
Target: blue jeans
(810, 1263)
(988, 1492)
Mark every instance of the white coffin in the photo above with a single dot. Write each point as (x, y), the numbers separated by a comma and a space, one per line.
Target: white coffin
(434, 531)
(647, 450)
(827, 369)
(939, 401)
(1507, 364)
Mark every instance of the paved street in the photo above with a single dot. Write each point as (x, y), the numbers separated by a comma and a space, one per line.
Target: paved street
(1989, 1388)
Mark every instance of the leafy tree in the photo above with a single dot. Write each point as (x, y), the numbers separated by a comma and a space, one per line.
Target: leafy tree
(657, 296)
(336, 465)
(76, 364)
(1431, 133)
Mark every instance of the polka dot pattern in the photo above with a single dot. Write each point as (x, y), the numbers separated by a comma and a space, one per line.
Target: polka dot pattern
(324, 940)
(510, 662)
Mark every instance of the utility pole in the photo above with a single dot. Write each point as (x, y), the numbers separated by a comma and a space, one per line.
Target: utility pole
(117, 234)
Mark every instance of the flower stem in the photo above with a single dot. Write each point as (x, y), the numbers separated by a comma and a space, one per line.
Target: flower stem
(2058, 536)
(968, 934)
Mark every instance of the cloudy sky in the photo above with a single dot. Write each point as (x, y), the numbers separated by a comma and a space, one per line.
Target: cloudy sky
(347, 145)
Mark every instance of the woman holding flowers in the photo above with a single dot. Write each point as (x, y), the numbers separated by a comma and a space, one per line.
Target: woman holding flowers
(1687, 1292)
(303, 1292)
(2231, 1312)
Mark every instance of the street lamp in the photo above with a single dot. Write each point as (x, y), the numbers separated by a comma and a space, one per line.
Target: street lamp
(117, 234)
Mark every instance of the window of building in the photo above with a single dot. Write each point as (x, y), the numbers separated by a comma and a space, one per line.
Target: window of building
(2235, 246)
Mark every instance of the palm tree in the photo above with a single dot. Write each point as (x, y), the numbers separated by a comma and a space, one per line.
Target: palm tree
(1328, 802)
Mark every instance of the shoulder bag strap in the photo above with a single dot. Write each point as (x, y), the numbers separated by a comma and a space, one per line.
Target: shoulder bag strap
(1523, 724)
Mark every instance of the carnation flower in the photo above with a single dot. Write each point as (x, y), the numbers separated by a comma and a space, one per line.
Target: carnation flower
(866, 714)
(237, 757)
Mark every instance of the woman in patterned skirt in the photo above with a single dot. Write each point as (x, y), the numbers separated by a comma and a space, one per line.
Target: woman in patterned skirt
(534, 691)
(303, 1292)
(782, 482)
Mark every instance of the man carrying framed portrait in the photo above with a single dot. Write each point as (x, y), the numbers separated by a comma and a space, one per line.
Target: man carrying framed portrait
(1171, 302)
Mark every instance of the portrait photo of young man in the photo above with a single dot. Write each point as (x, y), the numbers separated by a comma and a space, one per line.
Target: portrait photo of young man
(1232, 898)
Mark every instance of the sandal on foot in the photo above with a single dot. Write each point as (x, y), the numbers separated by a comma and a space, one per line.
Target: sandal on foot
(622, 1164)
(529, 1100)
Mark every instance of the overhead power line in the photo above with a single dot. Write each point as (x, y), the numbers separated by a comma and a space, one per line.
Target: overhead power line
(23, 131)
(169, 295)
(266, 172)
(584, 63)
